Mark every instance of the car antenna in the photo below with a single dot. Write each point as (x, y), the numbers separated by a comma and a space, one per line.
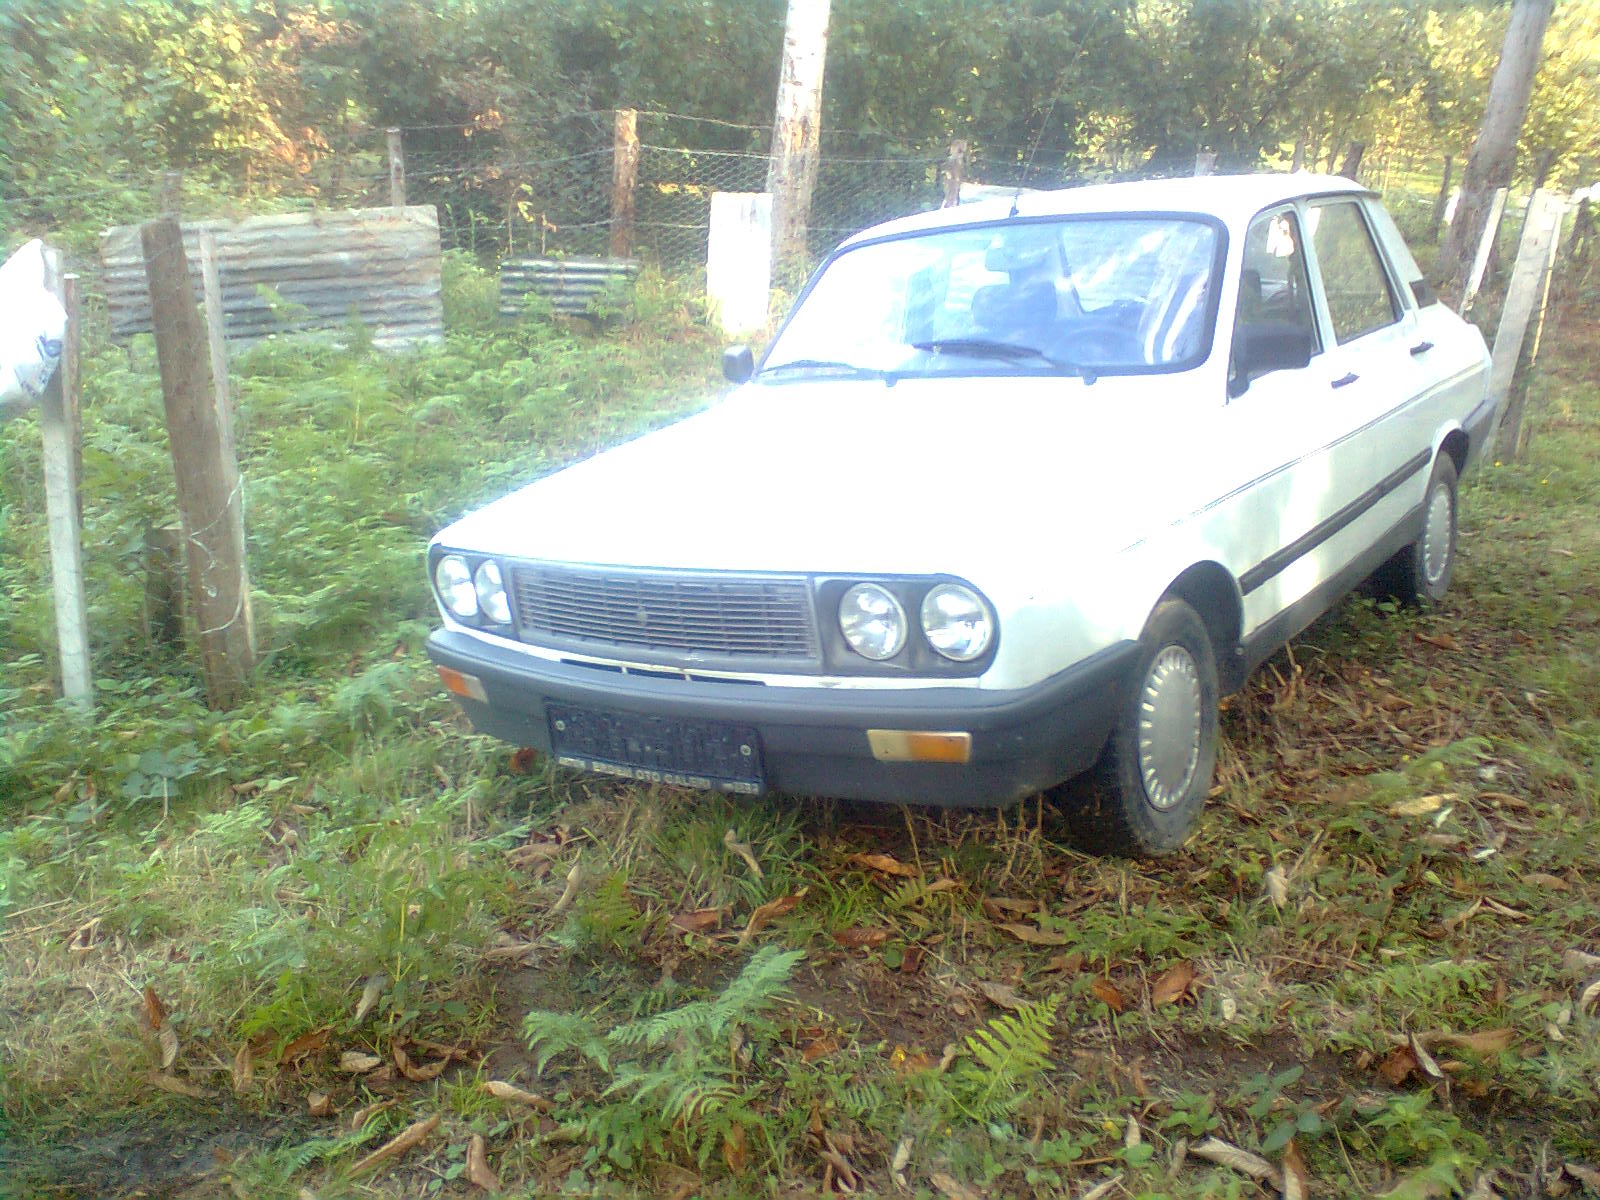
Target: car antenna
(1027, 166)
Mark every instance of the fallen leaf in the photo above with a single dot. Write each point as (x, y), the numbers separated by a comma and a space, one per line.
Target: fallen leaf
(819, 1048)
(304, 1046)
(1103, 1189)
(1584, 1173)
(319, 1104)
(1069, 964)
(745, 851)
(512, 1094)
(454, 1053)
(951, 1189)
(522, 760)
(155, 1012)
(178, 1087)
(1397, 1065)
(1275, 885)
(698, 921)
(532, 852)
(361, 1116)
(409, 1138)
(1001, 996)
(1589, 996)
(941, 884)
(1486, 1041)
(911, 959)
(1421, 805)
(897, 1164)
(478, 1173)
(574, 878)
(353, 1062)
(1106, 992)
(884, 863)
(1296, 1179)
(1131, 1136)
(1579, 962)
(904, 1063)
(1444, 641)
(1173, 985)
(1033, 935)
(1225, 1154)
(244, 1070)
(403, 1064)
(370, 991)
(167, 1036)
(1457, 920)
(766, 913)
(857, 938)
(1545, 879)
(1424, 1059)
(734, 1153)
(508, 949)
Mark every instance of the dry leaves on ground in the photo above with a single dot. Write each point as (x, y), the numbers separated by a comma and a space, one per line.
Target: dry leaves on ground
(745, 851)
(886, 864)
(1001, 995)
(409, 1138)
(1175, 985)
(370, 991)
(353, 1062)
(510, 1093)
(1033, 935)
(319, 1104)
(1226, 1154)
(305, 1046)
(699, 920)
(478, 1172)
(1106, 992)
(856, 938)
(766, 913)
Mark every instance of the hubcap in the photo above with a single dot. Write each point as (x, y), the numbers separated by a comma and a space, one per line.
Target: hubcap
(1169, 726)
(1436, 535)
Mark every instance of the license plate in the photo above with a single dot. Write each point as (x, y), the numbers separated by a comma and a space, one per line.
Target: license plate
(709, 755)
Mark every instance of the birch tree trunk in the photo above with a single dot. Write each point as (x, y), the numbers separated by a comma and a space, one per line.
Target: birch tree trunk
(796, 134)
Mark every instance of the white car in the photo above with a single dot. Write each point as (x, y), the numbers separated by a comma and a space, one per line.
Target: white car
(1019, 489)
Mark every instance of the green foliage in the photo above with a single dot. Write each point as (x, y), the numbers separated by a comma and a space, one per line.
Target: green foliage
(1002, 1061)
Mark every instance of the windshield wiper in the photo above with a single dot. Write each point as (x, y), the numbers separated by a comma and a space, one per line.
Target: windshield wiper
(827, 364)
(1004, 351)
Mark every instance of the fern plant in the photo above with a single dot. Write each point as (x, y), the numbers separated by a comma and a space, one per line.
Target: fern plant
(1001, 1061)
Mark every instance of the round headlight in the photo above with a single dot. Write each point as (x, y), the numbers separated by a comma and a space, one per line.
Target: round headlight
(492, 593)
(453, 578)
(872, 621)
(957, 622)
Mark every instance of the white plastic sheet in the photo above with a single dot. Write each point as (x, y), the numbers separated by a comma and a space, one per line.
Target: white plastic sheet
(32, 324)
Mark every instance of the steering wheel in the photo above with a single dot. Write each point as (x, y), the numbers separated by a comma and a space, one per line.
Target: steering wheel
(1101, 345)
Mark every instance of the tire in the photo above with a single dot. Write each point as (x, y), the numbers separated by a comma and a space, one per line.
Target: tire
(1420, 574)
(1153, 777)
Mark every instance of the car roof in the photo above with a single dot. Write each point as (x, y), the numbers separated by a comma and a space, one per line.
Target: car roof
(1234, 199)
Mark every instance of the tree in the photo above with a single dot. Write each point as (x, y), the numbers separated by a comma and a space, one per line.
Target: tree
(1495, 151)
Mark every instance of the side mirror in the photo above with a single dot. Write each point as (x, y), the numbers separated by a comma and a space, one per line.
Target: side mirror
(738, 364)
(1262, 346)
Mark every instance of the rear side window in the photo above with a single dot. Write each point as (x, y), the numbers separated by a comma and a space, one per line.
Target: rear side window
(1360, 299)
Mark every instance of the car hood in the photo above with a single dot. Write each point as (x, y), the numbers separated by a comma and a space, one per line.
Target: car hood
(957, 476)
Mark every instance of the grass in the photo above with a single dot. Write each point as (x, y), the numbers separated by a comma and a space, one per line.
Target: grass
(1363, 962)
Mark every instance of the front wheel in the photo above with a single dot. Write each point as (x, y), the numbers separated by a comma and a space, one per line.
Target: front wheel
(1153, 778)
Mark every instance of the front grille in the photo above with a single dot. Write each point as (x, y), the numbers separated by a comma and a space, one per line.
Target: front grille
(675, 615)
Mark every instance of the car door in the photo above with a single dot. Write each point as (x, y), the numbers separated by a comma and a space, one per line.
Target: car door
(1276, 428)
(1370, 382)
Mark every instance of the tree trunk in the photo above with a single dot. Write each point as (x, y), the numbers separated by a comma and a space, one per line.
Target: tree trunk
(1495, 151)
(796, 134)
(1352, 159)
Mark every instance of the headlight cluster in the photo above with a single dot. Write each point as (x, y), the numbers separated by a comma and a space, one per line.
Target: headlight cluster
(955, 621)
(472, 595)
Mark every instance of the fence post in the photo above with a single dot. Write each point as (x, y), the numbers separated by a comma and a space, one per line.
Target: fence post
(1516, 429)
(955, 172)
(207, 476)
(60, 436)
(624, 179)
(1205, 162)
(797, 133)
(1439, 201)
(1480, 263)
(397, 168)
(169, 200)
(72, 385)
(1527, 276)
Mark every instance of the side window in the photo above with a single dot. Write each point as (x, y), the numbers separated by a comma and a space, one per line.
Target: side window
(1360, 299)
(1274, 289)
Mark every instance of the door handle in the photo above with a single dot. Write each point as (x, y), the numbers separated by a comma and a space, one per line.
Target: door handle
(1421, 348)
(1346, 380)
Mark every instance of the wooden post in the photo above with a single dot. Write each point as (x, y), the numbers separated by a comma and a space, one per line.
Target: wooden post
(397, 168)
(624, 180)
(60, 436)
(1533, 253)
(797, 134)
(1515, 430)
(72, 385)
(1205, 162)
(1439, 201)
(1480, 263)
(207, 475)
(955, 173)
(170, 199)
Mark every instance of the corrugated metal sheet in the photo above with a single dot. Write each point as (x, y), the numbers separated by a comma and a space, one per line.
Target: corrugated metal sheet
(570, 284)
(379, 263)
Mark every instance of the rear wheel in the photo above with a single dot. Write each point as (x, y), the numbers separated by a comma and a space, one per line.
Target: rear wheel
(1421, 573)
(1153, 778)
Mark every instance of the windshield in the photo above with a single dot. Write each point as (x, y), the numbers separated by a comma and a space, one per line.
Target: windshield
(1104, 294)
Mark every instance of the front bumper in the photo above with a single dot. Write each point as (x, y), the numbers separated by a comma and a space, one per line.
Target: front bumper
(814, 739)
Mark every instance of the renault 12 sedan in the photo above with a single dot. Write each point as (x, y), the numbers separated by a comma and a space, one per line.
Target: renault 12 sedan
(1017, 492)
